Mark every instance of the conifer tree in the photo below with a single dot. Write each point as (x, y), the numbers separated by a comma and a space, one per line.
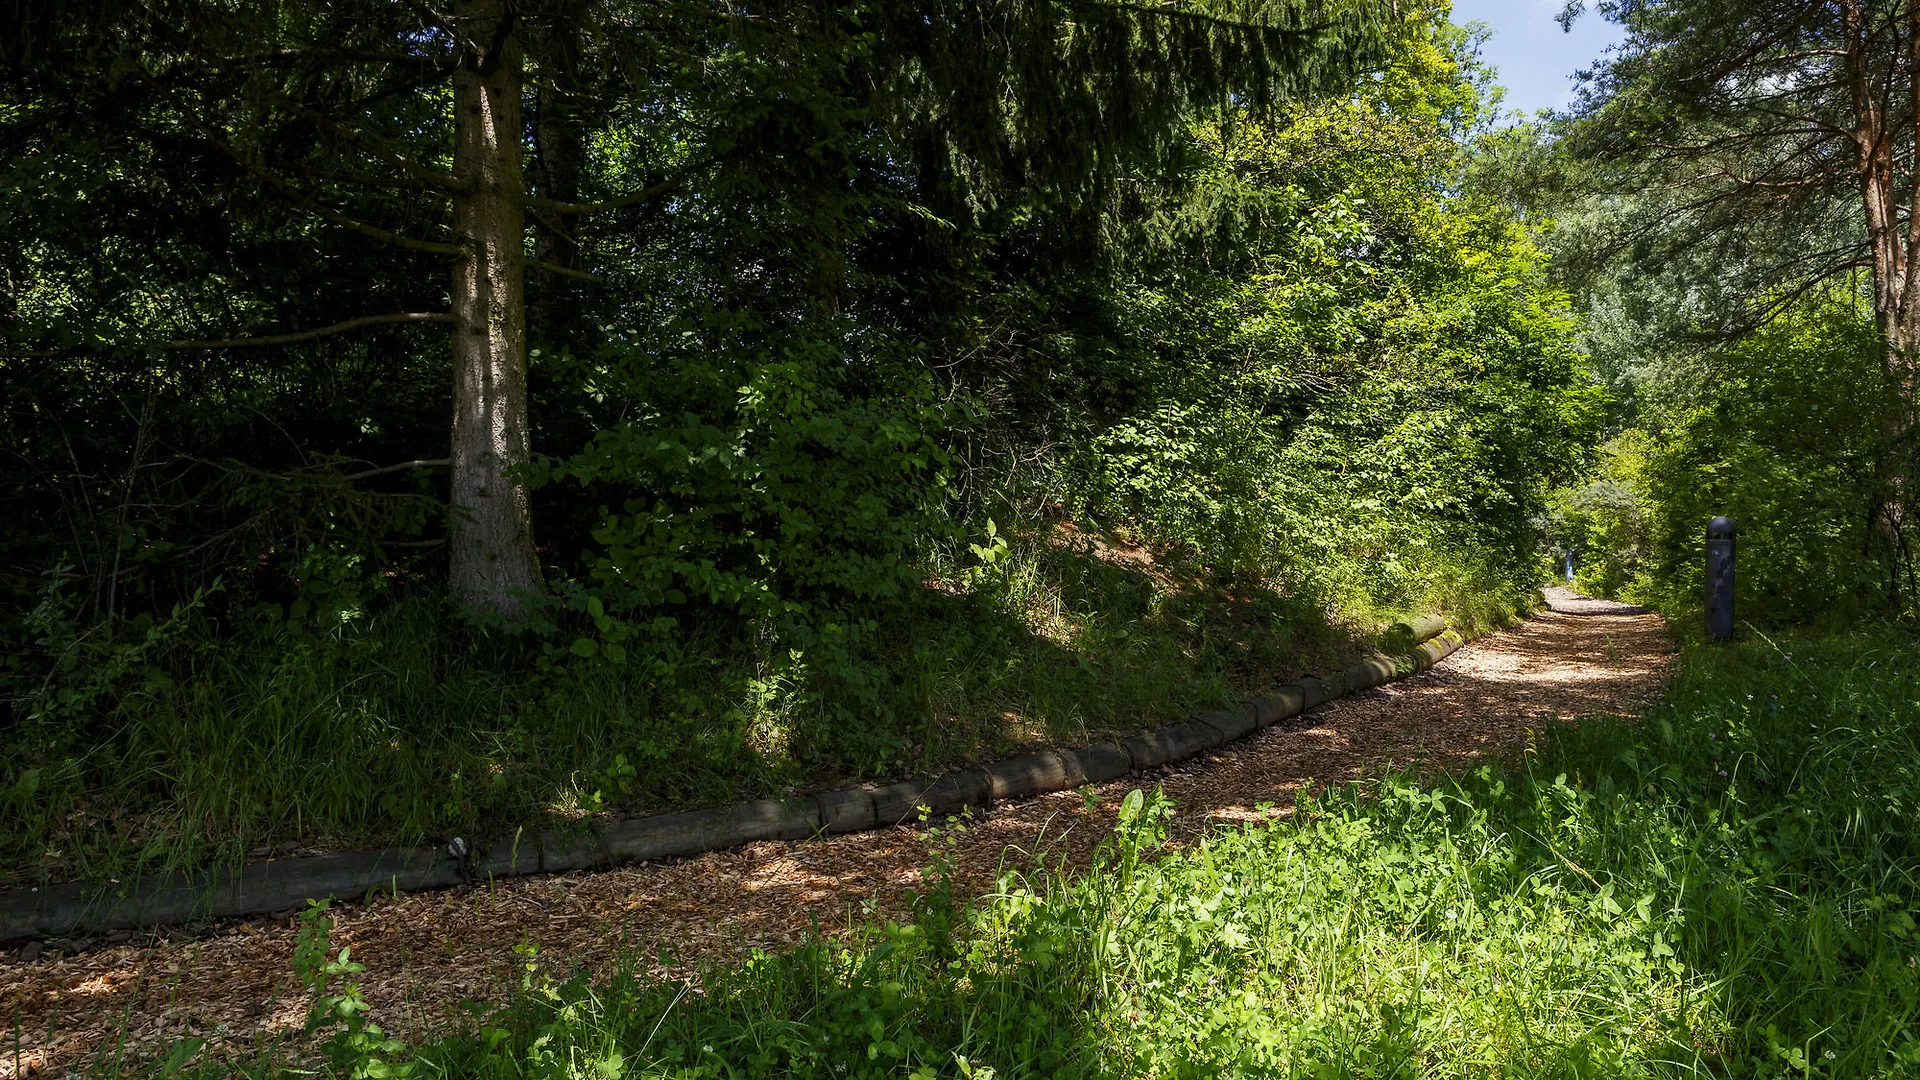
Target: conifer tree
(1781, 135)
(393, 138)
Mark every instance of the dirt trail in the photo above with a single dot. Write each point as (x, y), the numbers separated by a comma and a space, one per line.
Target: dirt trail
(426, 953)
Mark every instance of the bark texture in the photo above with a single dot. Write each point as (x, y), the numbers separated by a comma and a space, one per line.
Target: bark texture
(492, 560)
(1874, 71)
(1881, 68)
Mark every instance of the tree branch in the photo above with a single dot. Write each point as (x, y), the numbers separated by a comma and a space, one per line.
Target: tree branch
(371, 145)
(1172, 11)
(367, 143)
(647, 194)
(342, 220)
(420, 463)
(309, 335)
(217, 138)
(563, 271)
(1767, 312)
(346, 174)
(364, 56)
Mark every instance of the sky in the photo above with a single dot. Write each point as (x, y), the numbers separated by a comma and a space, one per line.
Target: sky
(1536, 60)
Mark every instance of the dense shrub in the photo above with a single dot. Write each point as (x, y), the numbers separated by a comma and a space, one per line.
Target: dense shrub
(1784, 431)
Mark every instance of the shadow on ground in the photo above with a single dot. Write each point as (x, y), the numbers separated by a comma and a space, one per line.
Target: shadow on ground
(426, 953)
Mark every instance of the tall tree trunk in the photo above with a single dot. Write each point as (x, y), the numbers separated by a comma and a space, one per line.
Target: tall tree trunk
(1893, 235)
(492, 561)
(1874, 164)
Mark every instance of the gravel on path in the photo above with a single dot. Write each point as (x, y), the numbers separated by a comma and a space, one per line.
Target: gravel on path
(426, 953)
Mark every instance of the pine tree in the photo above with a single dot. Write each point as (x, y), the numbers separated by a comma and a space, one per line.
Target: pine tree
(1781, 134)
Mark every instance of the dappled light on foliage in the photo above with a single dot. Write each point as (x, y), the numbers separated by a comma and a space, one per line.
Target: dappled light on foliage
(854, 391)
(903, 385)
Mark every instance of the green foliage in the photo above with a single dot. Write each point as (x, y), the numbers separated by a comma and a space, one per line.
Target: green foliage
(1787, 432)
(1716, 147)
(1790, 438)
(1366, 382)
(1601, 524)
(788, 490)
(359, 1049)
(404, 723)
(1720, 202)
(1180, 308)
(1710, 891)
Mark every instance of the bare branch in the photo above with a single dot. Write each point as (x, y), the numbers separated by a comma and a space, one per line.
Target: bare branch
(1816, 180)
(368, 143)
(1792, 57)
(342, 220)
(563, 271)
(1772, 309)
(438, 19)
(317, 332)
(346, 174)
(419, 463)
(364, 56)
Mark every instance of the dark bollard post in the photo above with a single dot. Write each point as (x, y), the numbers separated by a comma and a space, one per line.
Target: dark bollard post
(1720, 579)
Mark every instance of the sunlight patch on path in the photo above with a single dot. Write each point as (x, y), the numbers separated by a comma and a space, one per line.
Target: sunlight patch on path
(426, 953)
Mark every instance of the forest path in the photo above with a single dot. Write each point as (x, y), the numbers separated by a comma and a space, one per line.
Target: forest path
(425, 953)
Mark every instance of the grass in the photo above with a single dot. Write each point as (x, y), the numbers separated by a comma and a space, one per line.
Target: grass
(1726, 889)
(206, 739)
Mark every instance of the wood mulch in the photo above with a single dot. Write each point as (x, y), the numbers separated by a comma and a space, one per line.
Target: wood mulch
(425, 954)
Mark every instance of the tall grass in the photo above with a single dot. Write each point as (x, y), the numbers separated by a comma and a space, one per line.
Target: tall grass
(1725, 889)
(398, 722)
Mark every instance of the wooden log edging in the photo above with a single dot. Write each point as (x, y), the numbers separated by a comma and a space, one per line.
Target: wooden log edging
(279, 884)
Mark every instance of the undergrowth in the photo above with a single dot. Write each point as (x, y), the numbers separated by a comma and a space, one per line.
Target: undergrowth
(348, 720)
(1726, 888)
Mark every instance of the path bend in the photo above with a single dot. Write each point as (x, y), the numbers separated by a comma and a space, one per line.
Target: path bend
(427, 952)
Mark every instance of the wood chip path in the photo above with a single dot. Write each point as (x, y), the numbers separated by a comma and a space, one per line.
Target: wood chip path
(427, 953)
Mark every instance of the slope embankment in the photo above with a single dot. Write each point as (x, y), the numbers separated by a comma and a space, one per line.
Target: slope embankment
(427, 952)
